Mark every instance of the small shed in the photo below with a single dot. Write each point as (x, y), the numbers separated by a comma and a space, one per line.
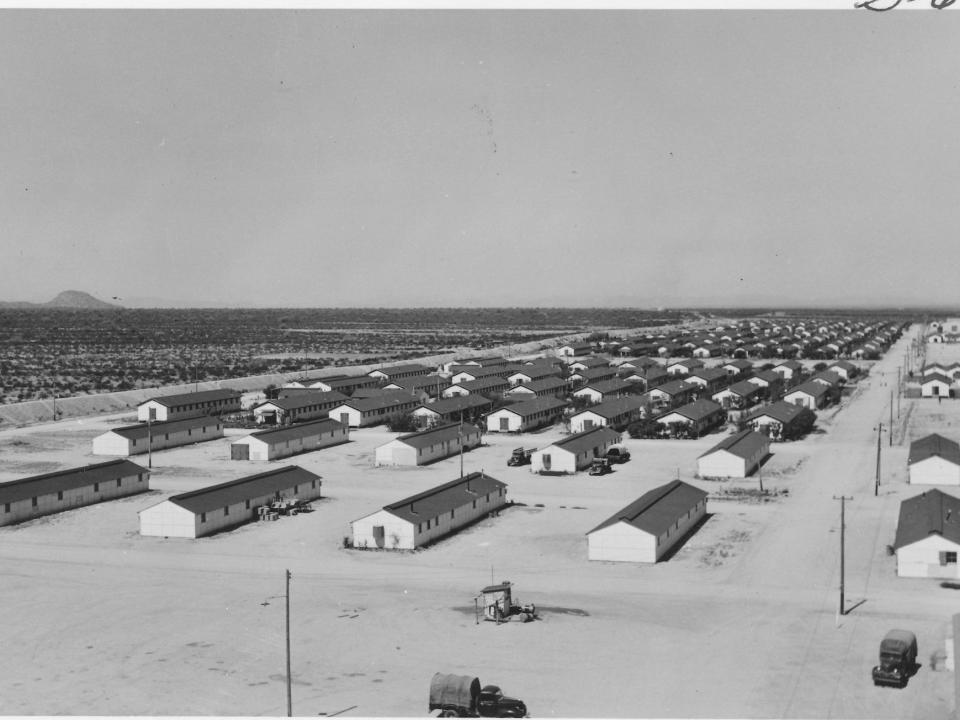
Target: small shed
(496, 601)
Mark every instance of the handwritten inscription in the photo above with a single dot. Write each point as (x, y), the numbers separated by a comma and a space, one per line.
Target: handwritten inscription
(884, 5)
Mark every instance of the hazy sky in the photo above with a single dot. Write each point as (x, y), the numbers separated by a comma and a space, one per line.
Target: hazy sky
(553, 157)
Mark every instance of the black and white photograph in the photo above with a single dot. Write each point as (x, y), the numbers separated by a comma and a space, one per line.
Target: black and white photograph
(524, 361)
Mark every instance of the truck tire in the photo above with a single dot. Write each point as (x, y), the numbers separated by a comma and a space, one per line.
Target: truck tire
(449, 712)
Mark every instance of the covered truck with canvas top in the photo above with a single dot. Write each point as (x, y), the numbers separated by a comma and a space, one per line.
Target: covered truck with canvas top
(462, 696)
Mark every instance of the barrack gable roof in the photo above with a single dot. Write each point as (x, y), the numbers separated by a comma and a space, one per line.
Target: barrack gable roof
(781, 411)
(697, 410)
(656, 511)
(535, 406)
(485, 383)
(543, 385)
(438, 434)
(744, 444)
(196, 397)
(410, 368)
(607, 386)
(596, 373)
(930, 513)
(297, 431)
(709, 374)
(481, 371)
(791, 365)
(140, 431)
(537, 372)
(935, 376)
(416, 382)
(62, 480)
(587, 440)
(614, 408)
(245, 488)
(934, 446)
(743, 388)
(591, 361)
(444, 498)
(676, 387)
(303, 400)
(385, 402)
(768, 376)
(844, 365)
(813, 389)
(445, 406)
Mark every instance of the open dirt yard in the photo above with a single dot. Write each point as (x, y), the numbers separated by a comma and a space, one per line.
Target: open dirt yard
(740, 622)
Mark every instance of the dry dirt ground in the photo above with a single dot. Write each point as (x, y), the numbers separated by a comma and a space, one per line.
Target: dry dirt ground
(740, 622)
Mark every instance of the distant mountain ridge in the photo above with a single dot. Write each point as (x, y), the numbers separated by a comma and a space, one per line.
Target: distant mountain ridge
(67, 300)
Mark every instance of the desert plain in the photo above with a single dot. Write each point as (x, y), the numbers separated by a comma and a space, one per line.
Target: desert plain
(741, 621)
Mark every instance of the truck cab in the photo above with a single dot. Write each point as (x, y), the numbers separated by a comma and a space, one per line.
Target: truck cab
(493, 703)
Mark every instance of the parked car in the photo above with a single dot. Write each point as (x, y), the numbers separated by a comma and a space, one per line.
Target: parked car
(618, 454)
(520, 456)
(898, 658)
(599, 466)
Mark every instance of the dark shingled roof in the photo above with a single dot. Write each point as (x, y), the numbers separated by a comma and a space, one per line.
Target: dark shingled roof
(195, 397)
(657, 510)
(614, 407)
(934, 446)
(675, 387)
(532, 407)
(930, 513)
(607, 386)
(444, 498)
(445, 406)
(235, 491)
(70, 479)
(484, 383)
(438, 434)
(743, 444)
(377, 403)
(157, 427)
(697, 410)
(742, 388)
(936, 376)
(547, 383)
(297, 431)
(587, 440)
(814, 389)
(781, 411)
(328, 398)
(401, 369)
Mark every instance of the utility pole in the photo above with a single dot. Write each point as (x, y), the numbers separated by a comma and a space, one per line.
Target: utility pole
(876, 485)
(899, 392)
(843, 526)
(289, 693)
(890, 433)
(149, 442)
(460, 435)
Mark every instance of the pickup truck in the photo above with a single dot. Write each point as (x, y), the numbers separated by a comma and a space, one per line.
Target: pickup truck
(462, 696)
